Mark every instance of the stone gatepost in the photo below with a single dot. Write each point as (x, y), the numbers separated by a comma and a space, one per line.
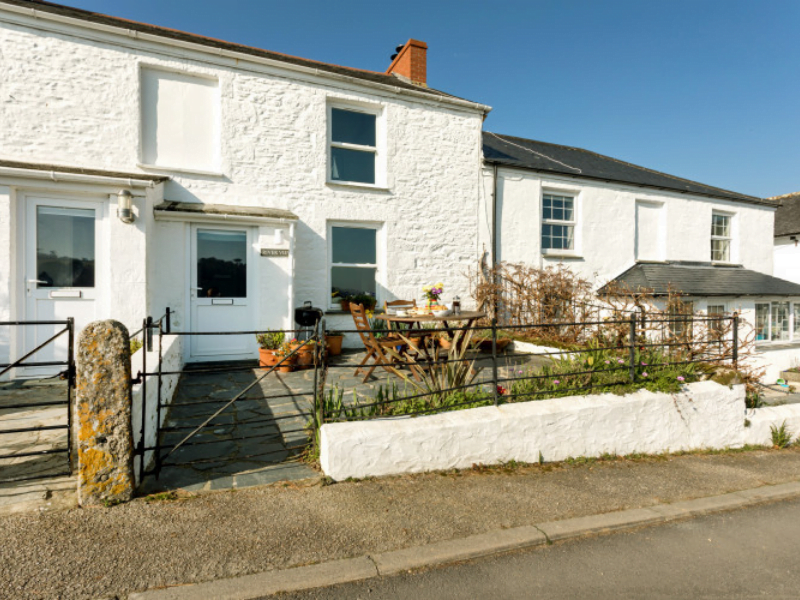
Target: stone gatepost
(103, 414)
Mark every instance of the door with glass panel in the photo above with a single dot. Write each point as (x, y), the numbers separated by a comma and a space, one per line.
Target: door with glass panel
(221, 284)
(61, 274)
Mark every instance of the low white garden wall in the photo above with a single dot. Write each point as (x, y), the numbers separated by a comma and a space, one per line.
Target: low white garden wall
(705, 415)
(172, 361)
(758, 432)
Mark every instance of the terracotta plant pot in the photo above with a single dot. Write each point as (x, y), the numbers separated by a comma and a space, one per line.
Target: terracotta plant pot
(266, 357)
(305, 358)
(345, 304)
(335, 344)
(445, 343)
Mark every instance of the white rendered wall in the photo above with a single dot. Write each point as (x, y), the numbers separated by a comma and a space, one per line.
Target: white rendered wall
(705, 415)
(761, 420)
(787, 259)
(6, 265)
(172, 353)
(605, 231)
(76, 103)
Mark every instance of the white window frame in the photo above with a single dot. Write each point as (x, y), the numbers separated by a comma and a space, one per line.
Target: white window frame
(574, 196)
(794, 336)
(378, 151)
(379, 256)
(729, 238)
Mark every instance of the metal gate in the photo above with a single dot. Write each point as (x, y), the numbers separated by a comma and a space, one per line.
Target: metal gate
(35, 414)
(227, 419)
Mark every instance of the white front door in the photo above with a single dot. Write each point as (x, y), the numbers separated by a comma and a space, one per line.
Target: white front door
(221, 292)
(61, 274)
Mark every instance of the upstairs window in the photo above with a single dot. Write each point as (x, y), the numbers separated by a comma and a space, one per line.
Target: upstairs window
(558, 222)
(180, 121)
(720, 237)
(353, 146)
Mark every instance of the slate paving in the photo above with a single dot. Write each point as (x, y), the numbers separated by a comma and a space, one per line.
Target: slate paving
(19, 400)
(261, 437)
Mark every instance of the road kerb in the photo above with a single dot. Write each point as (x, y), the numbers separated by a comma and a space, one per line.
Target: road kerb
(451, 551)
(474, 546)
(270, 582)
(580, 526)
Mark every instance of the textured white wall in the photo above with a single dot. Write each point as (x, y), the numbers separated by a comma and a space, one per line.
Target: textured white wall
(72, 100)
(758, 432)
(787, 259)
(172, 354)
(605, 232)
(706, 415)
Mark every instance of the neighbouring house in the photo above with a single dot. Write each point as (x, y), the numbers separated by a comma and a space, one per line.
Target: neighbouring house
(610, 220)
(787, 233)
(143, 167)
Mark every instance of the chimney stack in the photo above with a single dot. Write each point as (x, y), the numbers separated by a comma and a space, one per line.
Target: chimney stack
(411, 62)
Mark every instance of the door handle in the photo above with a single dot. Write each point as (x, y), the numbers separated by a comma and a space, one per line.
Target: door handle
(37, 281)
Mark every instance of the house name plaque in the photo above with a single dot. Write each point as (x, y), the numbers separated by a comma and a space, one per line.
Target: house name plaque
(274, 252)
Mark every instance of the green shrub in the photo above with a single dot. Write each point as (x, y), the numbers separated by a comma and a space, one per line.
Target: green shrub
(781, 436)
(135, 345)
(270, 340)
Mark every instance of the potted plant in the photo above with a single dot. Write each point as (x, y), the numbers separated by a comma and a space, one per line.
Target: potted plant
(367, 300)
(345, 302)
(305, 355)
(287, 366)
(334, 339)
(268, 343)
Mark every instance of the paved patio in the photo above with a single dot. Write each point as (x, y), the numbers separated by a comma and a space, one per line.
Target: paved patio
(262, 436)
(43, 473)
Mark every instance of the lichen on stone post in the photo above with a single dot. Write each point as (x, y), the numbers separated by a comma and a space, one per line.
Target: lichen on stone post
(103, 414)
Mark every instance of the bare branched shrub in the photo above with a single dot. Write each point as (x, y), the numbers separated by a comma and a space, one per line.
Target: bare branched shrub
(517, 294)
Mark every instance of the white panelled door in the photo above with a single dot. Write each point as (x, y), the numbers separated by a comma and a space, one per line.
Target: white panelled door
(221, 292)
(61, 274)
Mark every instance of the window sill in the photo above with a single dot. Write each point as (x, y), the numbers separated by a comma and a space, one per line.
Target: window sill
(720, 263)
(777, 345)
(359, 186)
(561, 255)
(164, 169)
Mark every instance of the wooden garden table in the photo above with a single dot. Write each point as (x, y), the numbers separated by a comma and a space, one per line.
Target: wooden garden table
(469, 316)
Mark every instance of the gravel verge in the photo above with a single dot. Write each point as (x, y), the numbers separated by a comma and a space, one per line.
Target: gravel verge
(102, 552)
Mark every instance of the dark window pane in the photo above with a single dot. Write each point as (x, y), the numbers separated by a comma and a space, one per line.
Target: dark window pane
(352, 165)
(349, 281)
(353, 127)
(353, 245)
(221, 264)
(64, 247)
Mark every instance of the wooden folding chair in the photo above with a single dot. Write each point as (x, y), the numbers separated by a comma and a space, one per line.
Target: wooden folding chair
(374, 347)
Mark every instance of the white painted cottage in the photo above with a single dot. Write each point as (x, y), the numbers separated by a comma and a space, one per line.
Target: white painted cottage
(256, 180)
(611, 220)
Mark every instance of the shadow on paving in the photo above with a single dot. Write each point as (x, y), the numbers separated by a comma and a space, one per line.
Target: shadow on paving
(41, 405)
(258, 439)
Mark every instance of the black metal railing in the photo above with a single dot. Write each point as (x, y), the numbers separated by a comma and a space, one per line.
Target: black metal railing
(9, 459)
(613, 353)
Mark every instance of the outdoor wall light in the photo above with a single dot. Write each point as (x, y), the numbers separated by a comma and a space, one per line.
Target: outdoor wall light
(124, 206)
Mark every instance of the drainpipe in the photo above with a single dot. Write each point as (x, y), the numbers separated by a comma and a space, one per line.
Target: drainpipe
(494, 218)
(494, 241)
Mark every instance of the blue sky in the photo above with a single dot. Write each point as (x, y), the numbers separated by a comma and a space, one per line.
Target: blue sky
(705, 89)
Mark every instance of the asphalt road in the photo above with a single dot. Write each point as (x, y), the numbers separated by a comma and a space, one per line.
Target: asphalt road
(750, 553)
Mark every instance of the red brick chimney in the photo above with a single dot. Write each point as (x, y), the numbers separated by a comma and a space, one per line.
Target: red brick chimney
(411, 62)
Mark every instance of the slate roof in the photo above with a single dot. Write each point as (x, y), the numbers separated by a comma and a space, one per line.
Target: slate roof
(787, 217)
(577, 162)
(175, 34)
(704, 279)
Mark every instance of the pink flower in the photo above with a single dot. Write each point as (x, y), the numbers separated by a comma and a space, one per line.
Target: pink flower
(608, 362)
(620, 361)
(644, 374)
(680, 378)
(556, 381)
(644, 364)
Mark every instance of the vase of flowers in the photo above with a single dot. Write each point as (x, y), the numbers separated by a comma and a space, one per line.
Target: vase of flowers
(432, 293)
